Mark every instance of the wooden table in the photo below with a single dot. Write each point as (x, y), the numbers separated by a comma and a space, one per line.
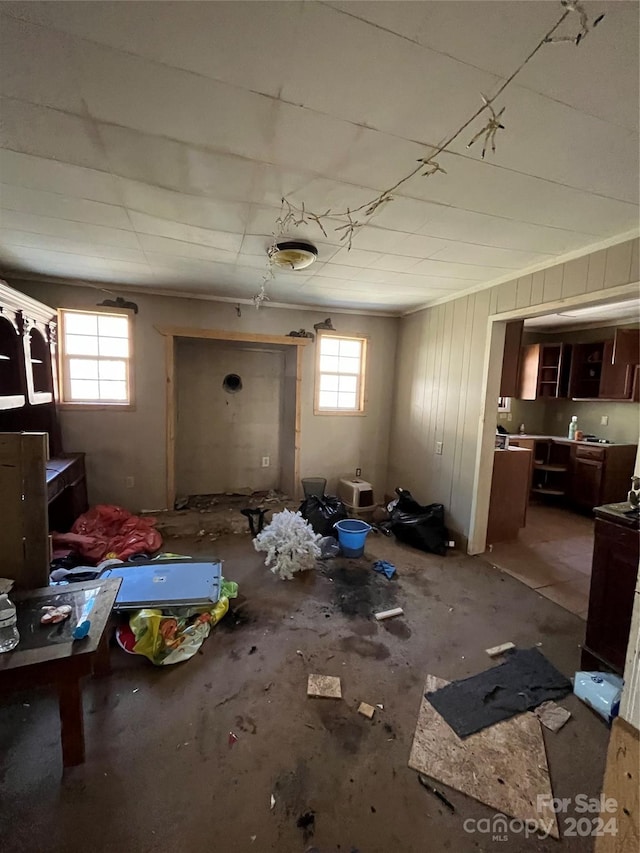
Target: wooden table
(48, 654)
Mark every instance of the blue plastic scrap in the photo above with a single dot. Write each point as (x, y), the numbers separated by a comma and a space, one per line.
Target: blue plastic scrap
(385, 568)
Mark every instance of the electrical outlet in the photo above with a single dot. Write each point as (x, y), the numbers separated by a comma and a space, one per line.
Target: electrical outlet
(451, 543)
(509, 417)
(358, 472)
(604, 420)
(438, 448)
(129, 482)
(265, 461)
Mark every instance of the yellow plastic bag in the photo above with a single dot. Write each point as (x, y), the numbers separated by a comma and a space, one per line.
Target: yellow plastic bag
(167, 638)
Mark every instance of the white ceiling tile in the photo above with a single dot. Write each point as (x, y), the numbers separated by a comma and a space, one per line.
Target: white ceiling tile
(162, 245)
(43, 260)
(483, 229)
(49, 77)
(145, 224)
(66, 229)
(156, 99)
(378, 239)
(24, 239)
(355, 257)
(175, 165)
(421, 246)
(191, 210)
(395, 263)
(49, 133)
(445, 269)
(247, 45)
(62, 207)
(36, 173)
(381, 97)
(466, 253)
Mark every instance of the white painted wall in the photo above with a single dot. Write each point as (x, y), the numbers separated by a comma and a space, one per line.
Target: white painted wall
(221, 438)
(442, 366)
(133, 443)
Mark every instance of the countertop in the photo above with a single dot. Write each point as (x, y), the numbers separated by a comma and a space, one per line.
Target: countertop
(620, 513)
(562, 439)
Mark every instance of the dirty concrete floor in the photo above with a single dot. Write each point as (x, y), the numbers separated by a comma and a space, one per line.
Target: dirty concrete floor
(160, 774)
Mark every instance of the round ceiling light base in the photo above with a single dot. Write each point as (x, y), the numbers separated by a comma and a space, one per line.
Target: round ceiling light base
(293, 254)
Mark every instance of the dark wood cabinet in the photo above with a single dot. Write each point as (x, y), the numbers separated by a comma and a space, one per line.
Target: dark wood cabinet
(616, 380)
(606, 370)
(613, 579)
(511, 359)
(600, 474)
(626, 346)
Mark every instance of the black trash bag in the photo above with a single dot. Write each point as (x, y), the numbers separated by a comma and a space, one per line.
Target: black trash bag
(322, 513)
(419, 526)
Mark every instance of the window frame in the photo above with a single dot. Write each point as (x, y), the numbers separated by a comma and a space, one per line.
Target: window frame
(504, 404)
(63, 357)
(362, 377)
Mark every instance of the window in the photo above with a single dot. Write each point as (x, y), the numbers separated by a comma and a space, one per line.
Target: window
(504, 404)
(95, 358)
(340, 374)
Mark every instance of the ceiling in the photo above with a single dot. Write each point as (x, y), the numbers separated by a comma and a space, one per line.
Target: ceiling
(625, 311)
(149, 144)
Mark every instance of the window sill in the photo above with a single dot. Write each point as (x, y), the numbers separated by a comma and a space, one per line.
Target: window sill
(332, 413)
(97, 407)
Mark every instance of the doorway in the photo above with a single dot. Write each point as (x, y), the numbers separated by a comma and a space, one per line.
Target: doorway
(287, 448)
(229, 417)
(552, 550)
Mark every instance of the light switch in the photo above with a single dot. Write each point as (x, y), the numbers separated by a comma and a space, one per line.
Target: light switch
(604, 420)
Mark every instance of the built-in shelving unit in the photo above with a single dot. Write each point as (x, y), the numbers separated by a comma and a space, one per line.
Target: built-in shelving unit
(551, 468)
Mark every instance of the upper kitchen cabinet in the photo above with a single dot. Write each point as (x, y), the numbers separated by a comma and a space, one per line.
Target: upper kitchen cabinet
(544, 371)
(626, 347)
(606, 370)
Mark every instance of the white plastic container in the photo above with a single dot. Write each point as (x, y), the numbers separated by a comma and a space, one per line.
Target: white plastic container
(573, 426)
(600, 690)
(9, 637)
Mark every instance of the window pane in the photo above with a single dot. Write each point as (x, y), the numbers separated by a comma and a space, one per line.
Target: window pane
(113, 370)
(80, 324)
(351, 349)
(329, 363)
(113, 327)
(83, 368)
(329, 346)
(329, 382)
(349, 365)
(346, 401)
(328, 400)
(113, 391)
(84, 389)
(81, 345)
(114, 347)
(348, 384)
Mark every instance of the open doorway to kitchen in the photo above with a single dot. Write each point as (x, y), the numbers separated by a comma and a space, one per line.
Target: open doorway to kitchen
(582, 363)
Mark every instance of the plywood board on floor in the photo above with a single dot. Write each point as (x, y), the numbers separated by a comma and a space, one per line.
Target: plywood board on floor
(504, 766)
(622, 783)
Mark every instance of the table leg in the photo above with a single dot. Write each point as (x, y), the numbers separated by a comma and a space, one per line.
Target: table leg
(71, 722)
(102, 657)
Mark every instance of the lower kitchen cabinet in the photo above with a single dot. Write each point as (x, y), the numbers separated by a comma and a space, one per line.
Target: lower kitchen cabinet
(614, 572)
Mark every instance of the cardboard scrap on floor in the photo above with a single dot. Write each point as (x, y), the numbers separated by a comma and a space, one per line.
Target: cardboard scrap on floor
(494, 651)
(552, 716)
(325, 686)
(366, 710)
(504, 766)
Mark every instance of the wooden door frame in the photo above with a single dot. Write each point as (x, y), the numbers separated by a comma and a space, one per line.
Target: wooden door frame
(496, 329)
(170, 333)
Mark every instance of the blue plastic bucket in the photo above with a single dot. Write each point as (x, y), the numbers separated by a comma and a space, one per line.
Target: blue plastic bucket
(351, 535)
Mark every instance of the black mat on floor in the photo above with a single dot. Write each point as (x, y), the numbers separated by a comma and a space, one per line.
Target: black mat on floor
(523, 681)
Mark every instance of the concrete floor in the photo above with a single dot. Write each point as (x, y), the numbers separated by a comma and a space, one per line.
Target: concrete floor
(161, 776)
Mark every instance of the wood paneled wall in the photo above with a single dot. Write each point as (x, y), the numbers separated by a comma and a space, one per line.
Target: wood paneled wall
(440, 372)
